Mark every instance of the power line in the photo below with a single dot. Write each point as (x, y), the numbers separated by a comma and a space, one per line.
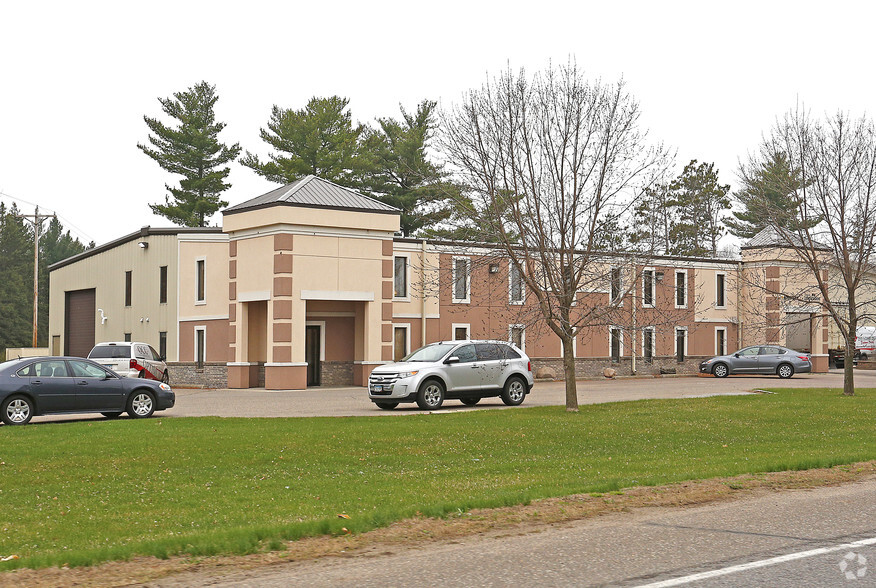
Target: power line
(67, 224)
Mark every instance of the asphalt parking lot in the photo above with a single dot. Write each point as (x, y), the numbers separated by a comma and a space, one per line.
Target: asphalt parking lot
(353, 401)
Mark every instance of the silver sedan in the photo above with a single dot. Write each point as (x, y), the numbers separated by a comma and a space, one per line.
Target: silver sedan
(759, 359)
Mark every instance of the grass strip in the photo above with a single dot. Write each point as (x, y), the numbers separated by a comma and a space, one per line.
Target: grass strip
(85, 492)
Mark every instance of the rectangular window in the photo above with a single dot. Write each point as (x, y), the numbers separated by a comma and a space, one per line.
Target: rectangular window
(162, 284)
(720, 340)
(648, 288)
(719, 291)
(200, 279)
(128, 337)
(680, 289)
(461, 272)
(648, 344)
(680, 344)
(515, 284)
(162, 345)
(400, 342)
(517, 336)
(128, 287)
(616, 283)
(400, 281)
(615, 335)
(460, 332)
(200, 345)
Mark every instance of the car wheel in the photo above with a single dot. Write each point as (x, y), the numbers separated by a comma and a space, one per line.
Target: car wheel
(471, 401)
(386, 405)
(165, 378)
(514, 391)
(431, 395)
(17, 410)
(111, 415)
(785, 370)
(720, 370)
(141, 404)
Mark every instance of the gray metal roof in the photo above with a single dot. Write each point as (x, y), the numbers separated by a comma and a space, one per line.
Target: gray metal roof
(314, 192)
(772, 237)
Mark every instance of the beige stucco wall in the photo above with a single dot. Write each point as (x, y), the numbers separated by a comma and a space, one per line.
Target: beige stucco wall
(298, 216)
(105, 272)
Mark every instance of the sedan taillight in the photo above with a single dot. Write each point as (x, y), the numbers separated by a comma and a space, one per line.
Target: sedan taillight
(803, 357)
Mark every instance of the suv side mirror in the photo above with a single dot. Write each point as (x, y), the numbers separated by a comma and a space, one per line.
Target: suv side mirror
(452, 359)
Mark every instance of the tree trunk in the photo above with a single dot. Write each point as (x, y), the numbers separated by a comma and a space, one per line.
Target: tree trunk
(849, 369)
(569, 373)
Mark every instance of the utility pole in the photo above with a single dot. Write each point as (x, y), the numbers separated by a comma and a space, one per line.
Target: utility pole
(36, 219)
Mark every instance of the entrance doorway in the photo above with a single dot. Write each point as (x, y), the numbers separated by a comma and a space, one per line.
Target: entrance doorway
(312, 346)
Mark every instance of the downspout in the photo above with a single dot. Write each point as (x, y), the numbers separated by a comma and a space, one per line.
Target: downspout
(633, 302)
(423, 294)
(738, 306)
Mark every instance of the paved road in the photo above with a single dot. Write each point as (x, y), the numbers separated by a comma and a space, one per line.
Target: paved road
(761, 541)
(353, 401)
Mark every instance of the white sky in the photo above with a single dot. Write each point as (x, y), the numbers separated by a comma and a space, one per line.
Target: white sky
(76, 78)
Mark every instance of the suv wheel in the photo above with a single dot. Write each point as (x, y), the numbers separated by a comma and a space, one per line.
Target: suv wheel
(471, 400)
(514, 391)
(386, 405)
(431, 395)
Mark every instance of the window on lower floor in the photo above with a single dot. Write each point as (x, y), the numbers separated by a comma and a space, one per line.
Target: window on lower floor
(648, 344)
(128, 337)
(400, 343)
(720, 341)
(162, 344)
(517, 336)
(680, 344)
(615, 335)
(200, 346)
(461, 332)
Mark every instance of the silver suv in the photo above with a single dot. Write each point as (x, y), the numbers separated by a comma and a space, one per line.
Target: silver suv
(467, 370)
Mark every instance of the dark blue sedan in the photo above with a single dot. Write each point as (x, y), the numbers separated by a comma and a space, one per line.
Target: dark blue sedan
(36, 386)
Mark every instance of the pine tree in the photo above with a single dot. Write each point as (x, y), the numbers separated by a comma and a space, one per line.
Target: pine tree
(319, 139)
(401, 174)
(699, 202)
(192, 150)
(16, 279)
(767, 197)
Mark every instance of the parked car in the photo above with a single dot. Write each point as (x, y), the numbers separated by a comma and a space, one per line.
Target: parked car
(466, 370)
(131, 360)
(36, 386)
(838, 357)
(759, 359)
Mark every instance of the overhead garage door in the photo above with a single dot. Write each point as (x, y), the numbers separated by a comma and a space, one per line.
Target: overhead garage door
(79, 322)
(799, 329)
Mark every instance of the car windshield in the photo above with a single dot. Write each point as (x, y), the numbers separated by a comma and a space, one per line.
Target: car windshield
(430, 352)
(110, 352)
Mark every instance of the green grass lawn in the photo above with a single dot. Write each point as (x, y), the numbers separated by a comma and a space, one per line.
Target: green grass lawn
(83, 492)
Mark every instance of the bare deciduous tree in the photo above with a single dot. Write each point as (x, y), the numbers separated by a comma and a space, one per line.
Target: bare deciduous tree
(834, 233)
(546, 161)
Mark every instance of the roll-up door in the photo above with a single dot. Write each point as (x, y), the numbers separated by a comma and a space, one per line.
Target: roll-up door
(79, 322)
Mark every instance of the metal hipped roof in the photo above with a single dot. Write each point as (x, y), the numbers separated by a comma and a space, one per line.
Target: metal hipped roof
(314, 192)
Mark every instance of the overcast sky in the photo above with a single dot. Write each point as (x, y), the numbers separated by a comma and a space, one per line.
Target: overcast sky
(76, 78)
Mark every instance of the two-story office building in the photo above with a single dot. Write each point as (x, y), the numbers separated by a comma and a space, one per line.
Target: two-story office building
(308, 285)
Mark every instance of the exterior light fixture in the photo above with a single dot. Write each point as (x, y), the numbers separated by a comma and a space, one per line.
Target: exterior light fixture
(494, 268)
(143, 244)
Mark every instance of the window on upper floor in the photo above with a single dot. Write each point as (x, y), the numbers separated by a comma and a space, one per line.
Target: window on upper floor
(515, 284)
(461, 279)
(680, 289)
(200, 280)
(400, 277)
(162, 284)
(129, 283)
(720, 301)
(648, 288)
(616, 283)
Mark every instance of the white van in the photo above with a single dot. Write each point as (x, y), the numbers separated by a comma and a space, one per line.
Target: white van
(865, 341)
(131, 360)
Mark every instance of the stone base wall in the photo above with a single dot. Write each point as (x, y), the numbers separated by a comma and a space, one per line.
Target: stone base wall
(592, 367)
(189, 375)
(336, 373)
